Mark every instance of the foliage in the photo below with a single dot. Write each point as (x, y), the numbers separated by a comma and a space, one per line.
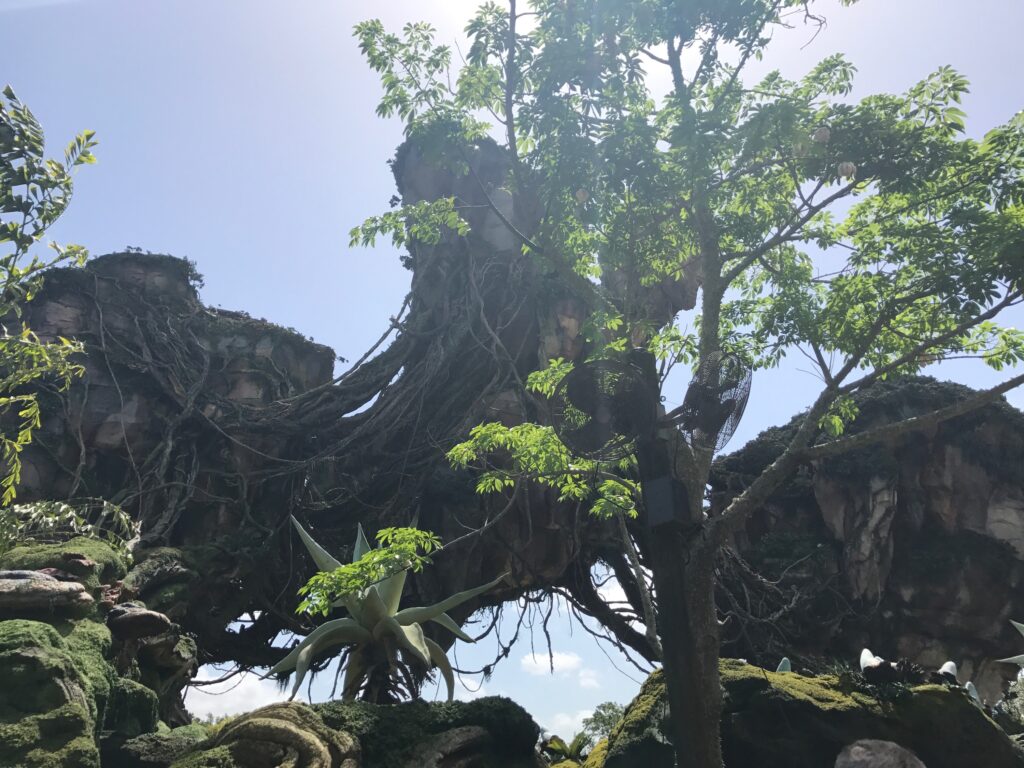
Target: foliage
(604, 717)
(34, 192)
(537, 454)
(375, 629)
(425, 222)
(870, 237)
(575, 750)
(53, 521)
(401, 550)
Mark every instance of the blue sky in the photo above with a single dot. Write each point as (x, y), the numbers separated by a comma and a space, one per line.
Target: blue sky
(242, 134)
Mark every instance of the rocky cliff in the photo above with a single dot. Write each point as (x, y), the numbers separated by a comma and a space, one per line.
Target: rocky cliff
(912, 548)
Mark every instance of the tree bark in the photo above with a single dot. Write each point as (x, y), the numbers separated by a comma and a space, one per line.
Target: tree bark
(684, 579)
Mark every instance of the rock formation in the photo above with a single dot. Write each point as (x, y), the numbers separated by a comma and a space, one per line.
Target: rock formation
(786, 720)
(912, 549)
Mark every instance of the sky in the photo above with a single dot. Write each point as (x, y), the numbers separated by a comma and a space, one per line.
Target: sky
(241, 134)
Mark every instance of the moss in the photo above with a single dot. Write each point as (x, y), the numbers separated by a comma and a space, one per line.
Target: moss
(390, 733)
(598, 755)
(133, 709)
(786, 720)
(566, 764)
(639, 738)
(47, 713)
(218, 757)
(31, 557)
(89, 644)
(157, 750)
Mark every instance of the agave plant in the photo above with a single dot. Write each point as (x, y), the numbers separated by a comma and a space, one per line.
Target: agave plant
(375, 628)
(1018, 660)
(575, 751)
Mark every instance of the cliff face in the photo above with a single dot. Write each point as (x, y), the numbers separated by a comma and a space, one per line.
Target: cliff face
(912, 549)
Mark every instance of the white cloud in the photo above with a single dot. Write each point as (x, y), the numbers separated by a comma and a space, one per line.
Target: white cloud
(568, 724)
(239, 694)
(588, 678)
(560, 662)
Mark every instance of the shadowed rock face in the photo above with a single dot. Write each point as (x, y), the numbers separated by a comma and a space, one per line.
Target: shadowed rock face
(918, 542)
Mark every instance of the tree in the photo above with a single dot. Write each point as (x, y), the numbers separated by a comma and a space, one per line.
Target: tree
(34, 192)
(604, 717)
(870, 237)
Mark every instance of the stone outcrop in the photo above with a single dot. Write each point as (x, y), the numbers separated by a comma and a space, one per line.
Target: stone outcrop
(71, 691)
(912, 548)
(280, 734)
(786, 720)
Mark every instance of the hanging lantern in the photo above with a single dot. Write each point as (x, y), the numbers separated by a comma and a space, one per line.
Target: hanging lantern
(847, 169)
(821, 135)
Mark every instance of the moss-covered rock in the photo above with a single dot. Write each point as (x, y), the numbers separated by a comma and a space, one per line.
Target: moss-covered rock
(93, 562)
(159, 749)
(390, 734)
(785, 720)
(598, 755)
(1009, 712)
(133, 709)
(286, 733)
(47, 709)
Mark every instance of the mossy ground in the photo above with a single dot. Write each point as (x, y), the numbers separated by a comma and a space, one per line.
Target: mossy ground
(110, 566)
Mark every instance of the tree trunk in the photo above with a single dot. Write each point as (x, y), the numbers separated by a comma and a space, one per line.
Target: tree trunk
(684, 580)
(683, 562)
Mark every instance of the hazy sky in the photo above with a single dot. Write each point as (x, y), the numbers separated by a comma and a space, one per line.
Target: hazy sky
(242, 134)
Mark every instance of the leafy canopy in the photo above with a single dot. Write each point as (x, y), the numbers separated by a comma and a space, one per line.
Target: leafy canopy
(34, 192)
(870, 236)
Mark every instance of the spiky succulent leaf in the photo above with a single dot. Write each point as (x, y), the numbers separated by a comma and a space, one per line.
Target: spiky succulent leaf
(323, 559)
(1018, 660)
(440, 660)
(338, 631)
(302, 666)
(355, 671)
(372, 608)
(390, 591)
(326, 563)
(426, 613)
(1018, 626)
(448, 623)
(410, 638)
(413, 639)
(362, 545)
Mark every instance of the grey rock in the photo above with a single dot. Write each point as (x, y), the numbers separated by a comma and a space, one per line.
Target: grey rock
(133, 621)
(872, 753)
(24, 595)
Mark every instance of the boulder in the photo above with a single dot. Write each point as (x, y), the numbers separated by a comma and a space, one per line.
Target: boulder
(871, 753)
(786, 720)
(491, 731)
(133, 621)
(157, 750)
(48, 707)
(35, 594)
(286, 733)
